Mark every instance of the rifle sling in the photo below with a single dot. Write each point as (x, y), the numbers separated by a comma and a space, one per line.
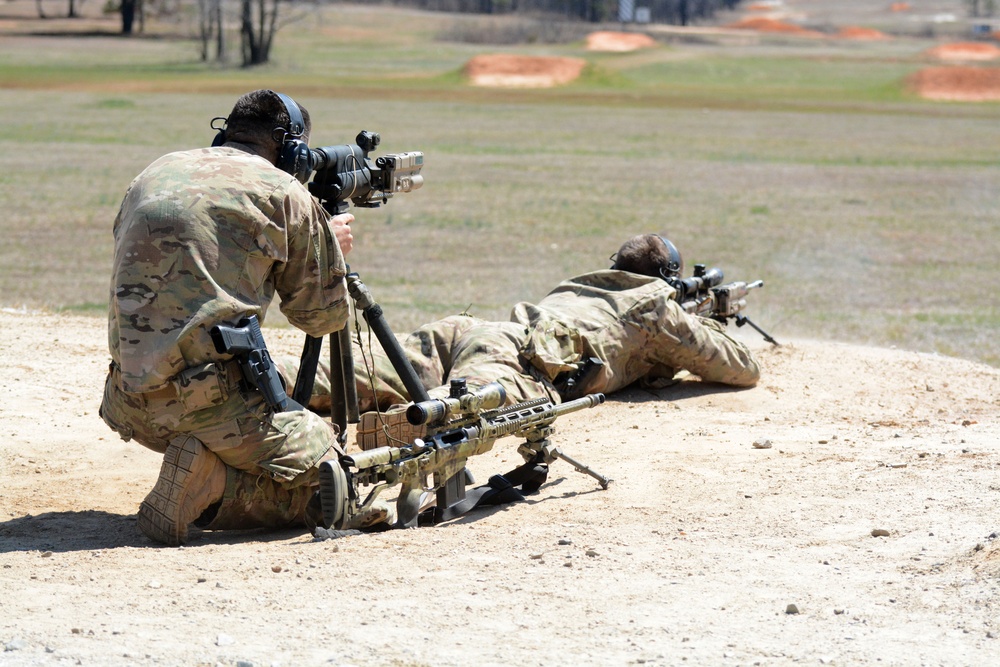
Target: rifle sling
(498, 491)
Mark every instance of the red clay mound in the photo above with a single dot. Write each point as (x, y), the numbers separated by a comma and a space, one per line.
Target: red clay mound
(965, 51)
(509, 71)
(618, 41)
(761, 24)
(900, 7)
(960, 84)
(854, 32)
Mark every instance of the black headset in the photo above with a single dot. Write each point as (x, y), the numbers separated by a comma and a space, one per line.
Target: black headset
(673, 267)
(295, 157)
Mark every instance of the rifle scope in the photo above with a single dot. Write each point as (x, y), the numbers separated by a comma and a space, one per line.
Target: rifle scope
(346, 172)
(700, 282)
(437, 410)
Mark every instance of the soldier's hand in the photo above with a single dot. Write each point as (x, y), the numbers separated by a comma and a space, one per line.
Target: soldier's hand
(342, 230)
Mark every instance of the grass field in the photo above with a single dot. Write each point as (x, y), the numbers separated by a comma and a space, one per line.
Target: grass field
(871, 215)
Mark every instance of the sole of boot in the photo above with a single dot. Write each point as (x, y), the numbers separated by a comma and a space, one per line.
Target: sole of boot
(159, 512)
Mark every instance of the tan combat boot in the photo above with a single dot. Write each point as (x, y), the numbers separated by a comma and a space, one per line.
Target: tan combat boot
(191, 479)
(389, 428)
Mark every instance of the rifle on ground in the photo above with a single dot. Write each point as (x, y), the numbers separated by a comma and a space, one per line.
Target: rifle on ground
(703, 294)
(462, 426)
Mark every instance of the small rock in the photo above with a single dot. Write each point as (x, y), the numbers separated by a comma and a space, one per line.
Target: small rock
(536, 556)
(16, 644)
(202, 580)
(275, 568)
(838, 612)
(564, 542)
(880, 532)
(244, 663)
(154, 584)
(762, 444)
(46, 554)
(592, 553)
(224, 640)
(792, 609)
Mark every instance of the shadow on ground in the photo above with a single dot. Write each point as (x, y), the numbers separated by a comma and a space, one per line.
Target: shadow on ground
(89, 530)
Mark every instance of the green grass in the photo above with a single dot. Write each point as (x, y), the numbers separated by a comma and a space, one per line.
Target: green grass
(872, 216)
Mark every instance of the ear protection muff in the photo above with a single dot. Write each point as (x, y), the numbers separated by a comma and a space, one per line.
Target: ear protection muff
(220, 136)
(673, 267)
(295, 157)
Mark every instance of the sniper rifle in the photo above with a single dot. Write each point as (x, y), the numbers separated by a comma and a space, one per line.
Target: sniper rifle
(704, 294)
(464, 425)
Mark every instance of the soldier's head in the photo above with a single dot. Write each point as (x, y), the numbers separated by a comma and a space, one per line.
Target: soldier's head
(261, 120)
(650, 255)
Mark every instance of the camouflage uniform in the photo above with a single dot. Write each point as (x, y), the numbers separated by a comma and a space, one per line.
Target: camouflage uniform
(628, 321)
(206, 237)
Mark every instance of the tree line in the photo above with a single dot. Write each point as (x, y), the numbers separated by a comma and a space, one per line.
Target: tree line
(675, 12)
(255, 22)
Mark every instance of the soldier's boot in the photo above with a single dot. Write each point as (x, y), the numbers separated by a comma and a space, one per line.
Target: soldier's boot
(191, 479)
(389, 428)
(257, 501)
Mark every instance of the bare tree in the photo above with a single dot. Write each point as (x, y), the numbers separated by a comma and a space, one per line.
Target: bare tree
(211, 27)
(259, 22)
(129, 8)
(71, 12)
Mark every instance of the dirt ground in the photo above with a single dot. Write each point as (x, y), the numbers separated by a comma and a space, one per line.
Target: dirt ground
(965, 51)
(873, 512)
(604, 40)
(515, 71)
(957, 83)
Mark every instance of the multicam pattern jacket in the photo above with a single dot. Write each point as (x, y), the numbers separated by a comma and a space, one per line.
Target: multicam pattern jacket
(635, 327)
(207, 237)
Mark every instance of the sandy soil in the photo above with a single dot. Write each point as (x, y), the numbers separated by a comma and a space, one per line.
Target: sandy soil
(619, 41)
(514, 71)
(861, 34)
(965, 51)
(873, 512)
(957, 83)
(764, 24)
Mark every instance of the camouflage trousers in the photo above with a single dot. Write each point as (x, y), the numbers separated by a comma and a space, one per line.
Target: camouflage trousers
(629, 324)
(272, 459)
(459, 346)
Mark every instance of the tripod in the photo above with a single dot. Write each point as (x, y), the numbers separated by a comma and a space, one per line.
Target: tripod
(343, 391)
